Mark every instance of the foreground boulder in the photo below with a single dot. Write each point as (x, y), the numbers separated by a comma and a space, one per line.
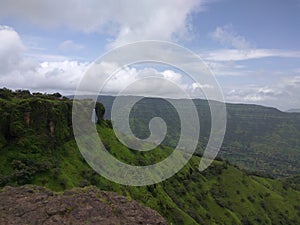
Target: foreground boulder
(36, 205)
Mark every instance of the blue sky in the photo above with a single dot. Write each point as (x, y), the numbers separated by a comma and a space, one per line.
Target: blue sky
(252, 46)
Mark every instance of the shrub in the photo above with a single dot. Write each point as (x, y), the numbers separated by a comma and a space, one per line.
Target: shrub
(3, 180)
(63, 183)
(251, 199)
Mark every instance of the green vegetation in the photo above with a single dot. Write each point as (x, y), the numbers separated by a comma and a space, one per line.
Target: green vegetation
(257, 138)
(37, 147)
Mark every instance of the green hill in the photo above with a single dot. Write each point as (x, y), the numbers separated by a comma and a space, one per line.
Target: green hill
(37, 147)
(257, 138)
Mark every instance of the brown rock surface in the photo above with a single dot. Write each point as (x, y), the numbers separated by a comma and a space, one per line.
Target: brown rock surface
(33, 205)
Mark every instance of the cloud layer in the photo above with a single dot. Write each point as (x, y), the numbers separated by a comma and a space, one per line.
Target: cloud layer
(21, 72)
(238, 55)
(124, 21)
(11, 49)
(283, 94)
(21, 69)
(226, 36)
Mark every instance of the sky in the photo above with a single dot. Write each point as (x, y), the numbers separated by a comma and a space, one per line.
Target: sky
(252, 47)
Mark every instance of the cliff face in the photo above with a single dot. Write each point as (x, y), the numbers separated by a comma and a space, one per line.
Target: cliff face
(37, 205)
(45, 116)
(33, 129)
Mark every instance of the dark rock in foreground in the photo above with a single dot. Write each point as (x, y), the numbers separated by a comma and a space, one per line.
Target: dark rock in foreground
(36, 205)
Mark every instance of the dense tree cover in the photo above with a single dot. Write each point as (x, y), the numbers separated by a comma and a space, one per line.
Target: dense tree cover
(37, 147)
(257, 138)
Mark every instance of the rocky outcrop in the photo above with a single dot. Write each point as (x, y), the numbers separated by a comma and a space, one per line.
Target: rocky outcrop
(37, 205)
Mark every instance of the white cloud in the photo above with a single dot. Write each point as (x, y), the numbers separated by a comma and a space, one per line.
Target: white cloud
(283, 93)
(254, 94)
(58, 73)
(46, 76)
(239, 49)
(20, 71)
(166, 22)
(201, 86)
(125, 21)
(141, 81)
(151, 82)
(227, 68)
(69, 45)
(237, 55)
(291, 81)
(226, 36)
(41, 57)
(228, 62)
(11, 49)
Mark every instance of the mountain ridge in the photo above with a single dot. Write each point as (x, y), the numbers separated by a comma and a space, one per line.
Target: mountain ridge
(253, 132)
(293, 111)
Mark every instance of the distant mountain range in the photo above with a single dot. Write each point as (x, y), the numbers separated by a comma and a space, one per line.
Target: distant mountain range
(258, 138)
(293, 111)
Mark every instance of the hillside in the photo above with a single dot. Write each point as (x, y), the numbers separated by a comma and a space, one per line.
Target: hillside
(257, 138)
(37, 147)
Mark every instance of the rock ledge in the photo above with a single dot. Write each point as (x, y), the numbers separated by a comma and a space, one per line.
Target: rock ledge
(37, 205)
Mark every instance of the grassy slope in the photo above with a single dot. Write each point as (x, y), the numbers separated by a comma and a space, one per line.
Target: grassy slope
(222, 194)
(258, 138)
